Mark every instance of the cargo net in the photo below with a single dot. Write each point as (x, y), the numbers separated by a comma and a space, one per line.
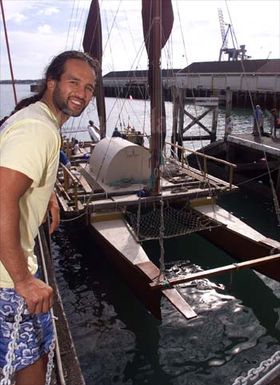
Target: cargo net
(175, 223)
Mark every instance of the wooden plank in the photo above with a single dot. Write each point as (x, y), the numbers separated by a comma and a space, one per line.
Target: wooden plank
(63, 204)
(120, 201)
(234, 224)
(262, 144)
(62, 190)
(173, 296)
(216, 271)
(179, 303)
(85, 184)
(117, 234)
(149, 269)
(80, 206)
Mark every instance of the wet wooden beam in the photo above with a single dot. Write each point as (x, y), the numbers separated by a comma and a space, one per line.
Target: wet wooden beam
(165, 283)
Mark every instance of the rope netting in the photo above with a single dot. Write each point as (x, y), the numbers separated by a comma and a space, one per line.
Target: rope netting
(176, 222)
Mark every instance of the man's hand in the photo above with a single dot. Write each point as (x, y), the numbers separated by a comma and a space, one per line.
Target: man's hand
(36, 293)
(53, 208)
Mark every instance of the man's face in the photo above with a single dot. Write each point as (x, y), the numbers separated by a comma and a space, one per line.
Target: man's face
(73, 92)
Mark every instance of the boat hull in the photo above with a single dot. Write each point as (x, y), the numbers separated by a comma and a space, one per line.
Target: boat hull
(134, 277)
(241, 241)
(128, 256)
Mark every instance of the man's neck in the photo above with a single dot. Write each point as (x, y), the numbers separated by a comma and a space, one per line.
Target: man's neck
(60, 116)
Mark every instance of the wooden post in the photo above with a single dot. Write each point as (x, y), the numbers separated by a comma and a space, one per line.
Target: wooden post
(277, 188)
(175, 99)
(181, 120)
(228, 106)
(214, 124)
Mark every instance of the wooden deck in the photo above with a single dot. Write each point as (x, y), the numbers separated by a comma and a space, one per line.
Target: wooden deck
(253, 158)
(267, 144)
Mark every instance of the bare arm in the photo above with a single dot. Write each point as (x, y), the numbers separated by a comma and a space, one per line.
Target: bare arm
(53, 208)
(38, 295)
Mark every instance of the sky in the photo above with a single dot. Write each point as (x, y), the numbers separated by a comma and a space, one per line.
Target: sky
(40, 29)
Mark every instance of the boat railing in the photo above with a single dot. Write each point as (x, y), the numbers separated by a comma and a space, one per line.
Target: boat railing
(69, 179)
(205, 158)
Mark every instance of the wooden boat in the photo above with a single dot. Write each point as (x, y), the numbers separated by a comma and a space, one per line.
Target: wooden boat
(257, 161)
(67, 368)
(126, 193)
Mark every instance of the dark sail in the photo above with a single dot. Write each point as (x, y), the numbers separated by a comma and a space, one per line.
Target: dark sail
(92, 44)
(148, 15)
(157, 18)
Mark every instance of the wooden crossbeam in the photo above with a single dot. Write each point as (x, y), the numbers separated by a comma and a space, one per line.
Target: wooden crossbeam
(196, 120)
(161, 283)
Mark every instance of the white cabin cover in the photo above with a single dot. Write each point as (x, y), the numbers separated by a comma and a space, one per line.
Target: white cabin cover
(117, 159)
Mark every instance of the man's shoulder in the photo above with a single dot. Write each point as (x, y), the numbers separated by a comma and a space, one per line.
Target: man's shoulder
(34, 115)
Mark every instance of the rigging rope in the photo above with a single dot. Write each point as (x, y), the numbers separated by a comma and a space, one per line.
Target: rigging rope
(273, 189)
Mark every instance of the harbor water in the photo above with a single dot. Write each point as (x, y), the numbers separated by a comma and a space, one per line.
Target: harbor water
(118, 342)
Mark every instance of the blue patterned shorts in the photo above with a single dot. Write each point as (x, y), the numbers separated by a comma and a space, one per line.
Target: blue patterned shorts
(35, 334)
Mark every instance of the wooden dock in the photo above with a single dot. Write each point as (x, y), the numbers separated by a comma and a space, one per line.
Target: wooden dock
(265, 144)
(257, 160)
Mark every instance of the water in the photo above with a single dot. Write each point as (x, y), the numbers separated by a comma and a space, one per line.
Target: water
(118, 342)
(124, 112)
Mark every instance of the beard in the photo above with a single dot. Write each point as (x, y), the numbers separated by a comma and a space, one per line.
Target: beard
(62, 104)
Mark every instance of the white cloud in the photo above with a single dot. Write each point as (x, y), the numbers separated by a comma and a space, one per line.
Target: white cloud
(45, 29)
(49, 11)
(16, 17)
(195, 37)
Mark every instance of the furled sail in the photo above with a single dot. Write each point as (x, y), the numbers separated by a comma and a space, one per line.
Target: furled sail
(157, 18)
(92, 44)
(148, 19)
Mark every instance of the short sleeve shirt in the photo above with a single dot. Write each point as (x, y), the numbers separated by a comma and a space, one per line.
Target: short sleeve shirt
(30, 144)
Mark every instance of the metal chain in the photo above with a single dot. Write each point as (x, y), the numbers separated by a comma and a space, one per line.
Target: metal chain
(50, 362)
(253, 374)
(161, 235)
(8, 369)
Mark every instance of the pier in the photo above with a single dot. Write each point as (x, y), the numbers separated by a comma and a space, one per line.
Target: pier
(245, 81)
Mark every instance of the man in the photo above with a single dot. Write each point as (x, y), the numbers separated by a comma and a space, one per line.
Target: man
(258, 122)
(275, 122)
(30, 145)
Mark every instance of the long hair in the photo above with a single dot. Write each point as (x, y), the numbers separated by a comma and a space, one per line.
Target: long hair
(54, 72)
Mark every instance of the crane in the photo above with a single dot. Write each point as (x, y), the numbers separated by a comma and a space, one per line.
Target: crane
(222, 27)
(233, 53)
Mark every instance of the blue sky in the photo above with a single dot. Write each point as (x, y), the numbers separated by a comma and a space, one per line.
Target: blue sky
(39, 29)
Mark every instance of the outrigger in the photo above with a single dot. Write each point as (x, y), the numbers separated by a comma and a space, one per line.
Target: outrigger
(127, 193)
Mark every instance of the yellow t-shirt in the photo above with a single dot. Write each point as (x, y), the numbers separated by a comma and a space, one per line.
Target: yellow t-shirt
(30, 144)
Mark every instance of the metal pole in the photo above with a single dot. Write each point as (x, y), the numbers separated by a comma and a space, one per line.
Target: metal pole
(8, 50)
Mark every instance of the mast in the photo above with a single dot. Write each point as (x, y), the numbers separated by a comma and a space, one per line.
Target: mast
(92, 44)
(156, 97)
(8, 50)
(157, 18)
